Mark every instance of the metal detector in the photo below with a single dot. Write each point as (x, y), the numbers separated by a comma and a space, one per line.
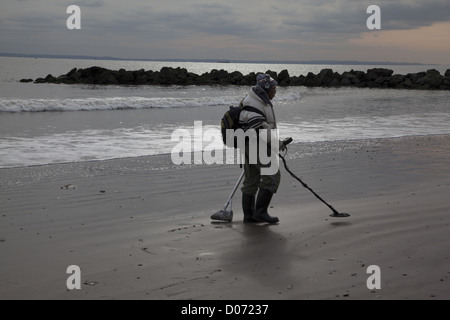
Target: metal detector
(226, 214)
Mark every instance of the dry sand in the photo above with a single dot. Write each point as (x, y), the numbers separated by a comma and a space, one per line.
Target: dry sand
(140, 228)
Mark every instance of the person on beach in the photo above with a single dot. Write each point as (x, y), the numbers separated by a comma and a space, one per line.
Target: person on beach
(255, 204)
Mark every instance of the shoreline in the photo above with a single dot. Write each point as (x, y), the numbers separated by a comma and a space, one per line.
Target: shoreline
(140, 228)
(165, 157)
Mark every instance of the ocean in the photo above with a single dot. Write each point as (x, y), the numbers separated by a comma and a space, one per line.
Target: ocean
(55, 123)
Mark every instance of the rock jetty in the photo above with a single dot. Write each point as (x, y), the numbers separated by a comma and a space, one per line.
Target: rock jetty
(373, 78)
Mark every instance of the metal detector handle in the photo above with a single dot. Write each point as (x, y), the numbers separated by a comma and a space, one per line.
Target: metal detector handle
(287, 141)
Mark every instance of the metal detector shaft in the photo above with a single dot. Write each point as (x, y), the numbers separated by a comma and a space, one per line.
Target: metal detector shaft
(234, 189)
(335, 212)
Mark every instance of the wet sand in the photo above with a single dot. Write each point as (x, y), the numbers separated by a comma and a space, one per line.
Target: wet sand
(140, 228)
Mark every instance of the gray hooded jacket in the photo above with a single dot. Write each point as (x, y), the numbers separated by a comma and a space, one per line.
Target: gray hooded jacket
(259, 99)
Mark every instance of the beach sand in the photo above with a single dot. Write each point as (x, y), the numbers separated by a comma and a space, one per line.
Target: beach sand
(140, 228)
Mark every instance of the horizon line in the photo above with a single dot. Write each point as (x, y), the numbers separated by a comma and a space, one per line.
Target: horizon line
(330, 62)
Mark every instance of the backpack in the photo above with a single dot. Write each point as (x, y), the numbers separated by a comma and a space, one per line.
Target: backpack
(230, 121)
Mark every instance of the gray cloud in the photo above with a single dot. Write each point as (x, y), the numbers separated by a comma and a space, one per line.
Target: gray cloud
(348, 17)
(115, 24)
(89, 3)
(411, 15)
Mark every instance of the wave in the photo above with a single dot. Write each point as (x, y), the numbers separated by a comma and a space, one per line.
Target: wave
(96, 104)
(112, 143)
(375, 127)
(119, 103)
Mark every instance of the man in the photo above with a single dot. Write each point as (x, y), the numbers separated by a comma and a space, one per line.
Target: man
(260, 97)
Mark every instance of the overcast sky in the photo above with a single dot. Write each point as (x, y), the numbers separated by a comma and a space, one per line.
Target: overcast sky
(412, 30)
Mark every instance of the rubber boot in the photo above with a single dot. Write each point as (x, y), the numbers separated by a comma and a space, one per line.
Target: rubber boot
(262, 205)
(248, 206)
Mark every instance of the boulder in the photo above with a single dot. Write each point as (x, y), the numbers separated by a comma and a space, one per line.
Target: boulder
(294, 81)
(167, 76)
(237, 77)
(325, 76)
(396, 81)
(250, 78)
(374, 74)
(74, 75)
(433, 79)
(218, 75)
(284, 78)
(124, 77)
(72, 72)
(312, 80)
(408, 84)
(39, 80)
(416, 78)
(273, 74)
(337, 76)
(141, 79)
(335, 83)
(182, 75)
(50, 79)
(345, 81)
(352, 78)
(360, 75)
(446, 83)
(301, 80)
(223, 77)
(90, 75)
(382, 81)
(105, 77)
(214, 77)
(64, 79)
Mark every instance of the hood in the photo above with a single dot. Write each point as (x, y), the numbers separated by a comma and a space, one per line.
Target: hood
(262, 94)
